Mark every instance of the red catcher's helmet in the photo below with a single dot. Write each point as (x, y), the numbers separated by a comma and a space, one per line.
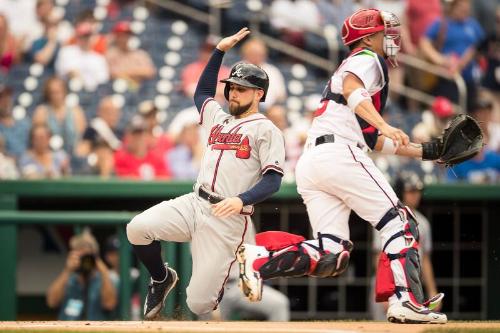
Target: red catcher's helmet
(362, 23)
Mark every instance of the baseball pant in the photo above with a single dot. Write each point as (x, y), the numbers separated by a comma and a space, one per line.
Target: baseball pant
(214, 243)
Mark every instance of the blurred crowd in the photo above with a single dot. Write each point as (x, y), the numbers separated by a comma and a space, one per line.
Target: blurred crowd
(59, 137)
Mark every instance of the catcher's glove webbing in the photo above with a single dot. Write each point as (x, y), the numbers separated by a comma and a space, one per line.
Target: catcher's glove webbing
(460, 141)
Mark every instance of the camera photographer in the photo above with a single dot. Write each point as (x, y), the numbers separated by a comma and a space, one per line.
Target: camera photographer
(85, 289)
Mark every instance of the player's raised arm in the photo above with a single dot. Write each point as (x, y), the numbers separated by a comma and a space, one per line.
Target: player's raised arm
(207, 85)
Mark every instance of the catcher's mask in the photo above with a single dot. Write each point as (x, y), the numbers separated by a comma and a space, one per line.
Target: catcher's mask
(366, 22)
(247, 75)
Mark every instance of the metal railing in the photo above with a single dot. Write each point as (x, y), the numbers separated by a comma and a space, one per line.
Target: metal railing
(329, 33)
(425, 66)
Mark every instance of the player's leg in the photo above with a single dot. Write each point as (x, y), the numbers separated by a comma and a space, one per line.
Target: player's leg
(274, 305)
(213, 249)
(169, 221)
(369, 194)
(285, 255)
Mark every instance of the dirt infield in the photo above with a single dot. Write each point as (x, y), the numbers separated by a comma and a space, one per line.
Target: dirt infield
(240, 327)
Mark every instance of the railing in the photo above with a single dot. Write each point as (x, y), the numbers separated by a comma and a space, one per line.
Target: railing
(330, 35)
(425, 66)
(20, 204)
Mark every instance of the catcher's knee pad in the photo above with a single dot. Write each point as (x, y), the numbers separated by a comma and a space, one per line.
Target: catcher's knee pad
(332, 264)
(301, 259)
(406, 275)
(293, 262)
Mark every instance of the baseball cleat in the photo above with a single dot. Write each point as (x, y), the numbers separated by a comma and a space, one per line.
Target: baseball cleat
(250, 281)
(434, 301)
(157, 293)
(409, 313)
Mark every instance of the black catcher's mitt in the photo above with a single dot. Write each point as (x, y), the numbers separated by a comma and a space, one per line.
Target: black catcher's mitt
(461, 140)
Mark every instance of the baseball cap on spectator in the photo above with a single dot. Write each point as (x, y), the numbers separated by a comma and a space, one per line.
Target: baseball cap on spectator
(122, 27)
(84, 241)
(442, 107)
(84, 29)
(112, 244)
(137, 124)
(147, 108)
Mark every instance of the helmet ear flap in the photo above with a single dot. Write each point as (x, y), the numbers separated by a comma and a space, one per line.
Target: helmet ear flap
(226, 91)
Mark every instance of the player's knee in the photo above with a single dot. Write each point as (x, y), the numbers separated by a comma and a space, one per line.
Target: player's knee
(200, 307)
(137, 231)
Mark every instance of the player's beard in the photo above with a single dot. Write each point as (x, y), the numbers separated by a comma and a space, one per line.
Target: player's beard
(235, 109)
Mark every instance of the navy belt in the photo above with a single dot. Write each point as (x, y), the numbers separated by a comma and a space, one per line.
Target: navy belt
(213, 199)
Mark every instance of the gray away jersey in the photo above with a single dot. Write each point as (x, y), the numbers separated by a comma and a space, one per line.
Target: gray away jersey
(238, 151)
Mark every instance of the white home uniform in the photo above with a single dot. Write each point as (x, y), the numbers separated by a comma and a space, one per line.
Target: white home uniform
(336, 177)
(237, 154)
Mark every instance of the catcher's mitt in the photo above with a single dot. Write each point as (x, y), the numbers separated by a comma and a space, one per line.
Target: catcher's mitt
(461, 140)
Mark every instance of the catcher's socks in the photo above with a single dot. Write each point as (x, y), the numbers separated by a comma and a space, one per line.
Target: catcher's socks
(409, 313)
(250, 281)
(157, 293)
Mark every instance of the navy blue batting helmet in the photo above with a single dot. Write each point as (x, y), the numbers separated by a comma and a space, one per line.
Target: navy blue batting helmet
(247, 75)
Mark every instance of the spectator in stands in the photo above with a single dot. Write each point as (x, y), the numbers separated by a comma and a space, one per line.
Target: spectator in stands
(491, 51)
(134, 66)
(293, 140)
(15, 132)
(334, 12)
(408, 186)
(483, 169)
(112, 258)
(8, 169)
(419, 15)
(46, 16)
(451, 42)
(81, 61)
(157, 139)
(20, 28)
(39, 161)
(192, 72)
(85, 289)
(101, 138)
(134, 159)
(185, 158)
(434, 121)
(98, 42)
(293, 17)
(254, 51)
(67, 123)
(9, 47)
(483, 113)
(44, 50)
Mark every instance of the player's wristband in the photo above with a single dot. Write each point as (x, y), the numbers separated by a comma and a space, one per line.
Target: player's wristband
(389, 146)
(356, 97)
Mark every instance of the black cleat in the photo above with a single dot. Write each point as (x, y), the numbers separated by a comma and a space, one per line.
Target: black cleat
(157, 293)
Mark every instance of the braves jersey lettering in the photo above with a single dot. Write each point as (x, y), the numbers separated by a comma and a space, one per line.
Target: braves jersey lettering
(249, 146)
(217, 136)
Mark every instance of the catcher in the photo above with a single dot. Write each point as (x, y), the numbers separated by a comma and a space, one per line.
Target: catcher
(335, 175)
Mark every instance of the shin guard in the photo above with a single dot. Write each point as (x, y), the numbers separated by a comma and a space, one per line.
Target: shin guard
(291, 256)
(405, 275)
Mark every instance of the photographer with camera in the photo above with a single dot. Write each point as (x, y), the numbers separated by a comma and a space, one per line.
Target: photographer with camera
(85, 289)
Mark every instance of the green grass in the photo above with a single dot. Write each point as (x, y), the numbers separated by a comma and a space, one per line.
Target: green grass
(462, 330)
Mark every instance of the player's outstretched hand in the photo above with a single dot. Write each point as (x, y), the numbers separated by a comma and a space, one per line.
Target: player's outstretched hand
(227, 207)
(228, 42)
(398, 136)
